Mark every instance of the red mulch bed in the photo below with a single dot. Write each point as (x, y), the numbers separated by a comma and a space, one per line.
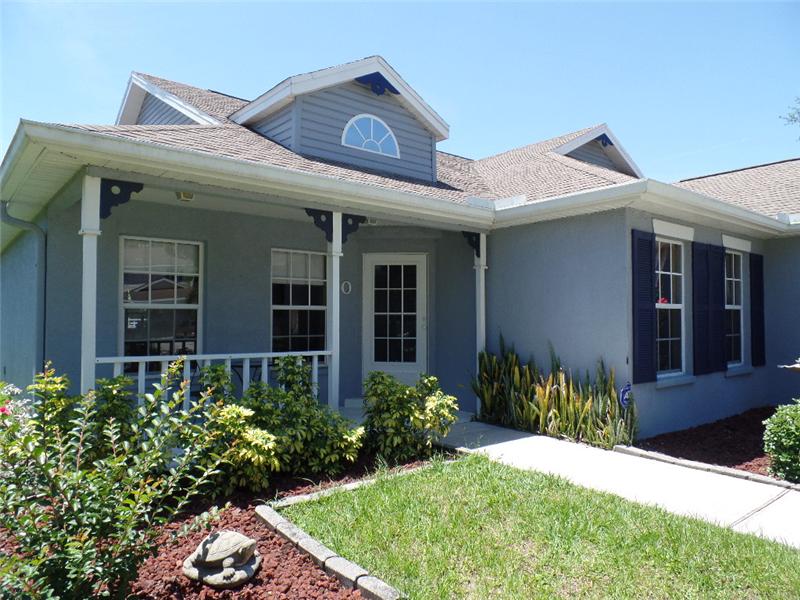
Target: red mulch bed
(736, 442)
(285, 572)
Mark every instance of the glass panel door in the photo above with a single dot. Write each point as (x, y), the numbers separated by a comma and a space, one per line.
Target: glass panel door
(394, 314)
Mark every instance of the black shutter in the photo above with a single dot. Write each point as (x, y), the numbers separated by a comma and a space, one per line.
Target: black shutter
(644, 306)
(757, 349)
(708, 308)
(700, 308)
(716, 308)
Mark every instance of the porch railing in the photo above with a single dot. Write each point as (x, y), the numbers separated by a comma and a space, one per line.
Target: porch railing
(191, 361)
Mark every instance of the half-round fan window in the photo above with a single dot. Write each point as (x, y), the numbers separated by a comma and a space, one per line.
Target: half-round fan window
(368, 132)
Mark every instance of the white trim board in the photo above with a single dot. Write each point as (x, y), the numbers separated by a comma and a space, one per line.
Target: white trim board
(734, 243)
(673, 230)
(138, 88)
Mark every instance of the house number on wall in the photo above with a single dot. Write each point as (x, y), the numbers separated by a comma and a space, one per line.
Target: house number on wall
(347, 287)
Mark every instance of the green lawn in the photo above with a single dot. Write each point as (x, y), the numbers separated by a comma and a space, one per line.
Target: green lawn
(477, 529)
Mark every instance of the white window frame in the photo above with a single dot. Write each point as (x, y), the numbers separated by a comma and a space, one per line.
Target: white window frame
(141, 305)
(382, 122)
(739, 307)
(308, 280)
(681, 306)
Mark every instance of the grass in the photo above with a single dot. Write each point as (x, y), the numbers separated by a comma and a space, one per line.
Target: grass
(476, 529)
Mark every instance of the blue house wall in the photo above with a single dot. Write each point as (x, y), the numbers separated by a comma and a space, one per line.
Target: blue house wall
(236, 281)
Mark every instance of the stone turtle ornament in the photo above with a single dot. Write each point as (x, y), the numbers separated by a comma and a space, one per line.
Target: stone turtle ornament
(224, 559)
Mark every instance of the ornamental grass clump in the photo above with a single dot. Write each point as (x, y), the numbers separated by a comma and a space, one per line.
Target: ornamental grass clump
(81, 498)
(516, 394)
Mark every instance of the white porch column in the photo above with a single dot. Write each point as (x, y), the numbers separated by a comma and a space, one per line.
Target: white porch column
(90, 230)
(480, 304)
(332, 326)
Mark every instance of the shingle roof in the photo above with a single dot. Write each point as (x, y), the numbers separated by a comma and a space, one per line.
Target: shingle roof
(214, 104)
(767, 189)
(534, 171)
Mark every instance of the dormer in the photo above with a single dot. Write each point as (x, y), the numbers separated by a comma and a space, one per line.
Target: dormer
(599, 147)
(362, 113)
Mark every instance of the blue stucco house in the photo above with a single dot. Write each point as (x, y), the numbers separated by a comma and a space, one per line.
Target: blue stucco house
(320, 219)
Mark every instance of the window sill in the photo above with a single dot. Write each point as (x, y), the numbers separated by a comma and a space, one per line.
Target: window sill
(739, 371)
(669, 381)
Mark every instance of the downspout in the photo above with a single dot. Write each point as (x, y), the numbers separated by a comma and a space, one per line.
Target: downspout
(41, 270)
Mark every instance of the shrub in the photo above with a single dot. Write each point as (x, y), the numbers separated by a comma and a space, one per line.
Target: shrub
(782, 441)
(82, 525)
(403, 422)
(286, 429)
(517, 394)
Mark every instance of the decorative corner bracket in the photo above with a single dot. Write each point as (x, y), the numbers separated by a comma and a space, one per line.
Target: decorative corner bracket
(377, 83)
(324, 220)
(114, 192)
(350, 224)
(605, 140)
(474, 241)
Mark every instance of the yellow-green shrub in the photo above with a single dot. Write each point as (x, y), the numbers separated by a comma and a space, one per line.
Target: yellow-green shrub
(402, 421)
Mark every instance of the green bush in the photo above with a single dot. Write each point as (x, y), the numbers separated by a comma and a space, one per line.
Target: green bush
(402, 421)
(782, 441)
(517, 394)
(81, 503)
(286, 429)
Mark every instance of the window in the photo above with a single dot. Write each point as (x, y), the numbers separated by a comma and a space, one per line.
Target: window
(299, 301)
(160, 296)
(669, 306)
(733, 307)
(368, 132)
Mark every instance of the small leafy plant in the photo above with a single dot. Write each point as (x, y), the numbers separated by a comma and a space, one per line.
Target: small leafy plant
(782, 441)
(279, 429)
(81, 503)
(402, 421)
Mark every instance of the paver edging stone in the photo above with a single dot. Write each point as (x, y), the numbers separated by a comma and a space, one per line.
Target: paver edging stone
(701, 466)
(348, 572)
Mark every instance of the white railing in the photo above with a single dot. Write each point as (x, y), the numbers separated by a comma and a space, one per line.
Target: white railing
(246, 360)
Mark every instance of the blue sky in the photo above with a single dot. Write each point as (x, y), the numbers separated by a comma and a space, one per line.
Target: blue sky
(688, 88)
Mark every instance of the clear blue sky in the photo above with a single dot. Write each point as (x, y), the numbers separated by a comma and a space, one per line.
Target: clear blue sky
(688, 88)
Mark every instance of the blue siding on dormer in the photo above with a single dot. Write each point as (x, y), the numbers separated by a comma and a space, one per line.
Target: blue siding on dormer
(593, 153)
(321, 117)
(279, 126)
(156, 112)
(313, 124)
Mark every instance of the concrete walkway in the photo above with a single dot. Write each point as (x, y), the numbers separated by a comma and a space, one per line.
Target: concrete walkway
(747, 506)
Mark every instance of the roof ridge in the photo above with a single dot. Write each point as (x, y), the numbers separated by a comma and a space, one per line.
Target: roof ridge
(575, 133)
(769, 164)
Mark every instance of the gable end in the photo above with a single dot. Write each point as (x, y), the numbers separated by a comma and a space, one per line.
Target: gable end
(156, 112)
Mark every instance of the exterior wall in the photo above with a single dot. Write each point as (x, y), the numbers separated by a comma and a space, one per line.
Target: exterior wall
(321, 117)
(565, 283)
(156, 112)
(781, 300)
(18, 342)
(279, 127)
(677, 403)
(593, 153)
(236, 285)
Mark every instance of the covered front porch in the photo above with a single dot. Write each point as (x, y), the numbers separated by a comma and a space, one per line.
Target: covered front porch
(220, 276)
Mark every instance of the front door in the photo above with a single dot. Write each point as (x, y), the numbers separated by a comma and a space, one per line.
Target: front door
(395, 315)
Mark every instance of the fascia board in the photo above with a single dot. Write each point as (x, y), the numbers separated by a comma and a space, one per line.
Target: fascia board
(98, 149)
(171, 100)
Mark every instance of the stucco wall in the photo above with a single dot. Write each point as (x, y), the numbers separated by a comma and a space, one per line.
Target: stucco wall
(18, 343)
(703, 398)
(782, 315)
(236, 294)
(565, 283)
